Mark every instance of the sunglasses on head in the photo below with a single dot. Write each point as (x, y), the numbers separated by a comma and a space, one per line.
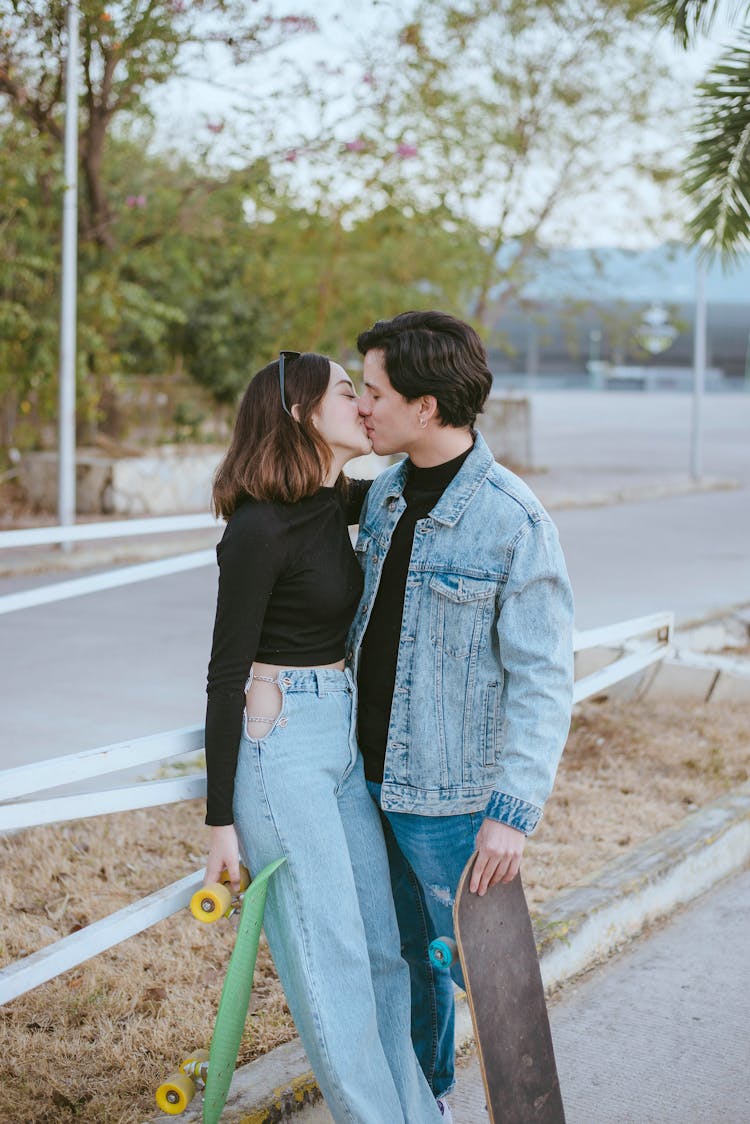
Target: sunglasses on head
(284, 355)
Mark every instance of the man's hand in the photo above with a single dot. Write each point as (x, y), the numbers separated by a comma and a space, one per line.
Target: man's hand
(223, 855)
(499, 859)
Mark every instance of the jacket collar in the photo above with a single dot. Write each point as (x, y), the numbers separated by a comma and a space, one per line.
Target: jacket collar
(454, 500)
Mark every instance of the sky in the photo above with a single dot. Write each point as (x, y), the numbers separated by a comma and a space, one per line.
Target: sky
(184, 108)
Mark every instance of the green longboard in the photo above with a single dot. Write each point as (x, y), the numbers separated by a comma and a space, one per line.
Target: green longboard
(235, 996)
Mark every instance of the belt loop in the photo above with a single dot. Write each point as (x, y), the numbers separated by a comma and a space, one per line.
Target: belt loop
(320, 681)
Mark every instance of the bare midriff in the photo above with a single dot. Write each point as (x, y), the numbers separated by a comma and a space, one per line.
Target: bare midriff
(263, 698)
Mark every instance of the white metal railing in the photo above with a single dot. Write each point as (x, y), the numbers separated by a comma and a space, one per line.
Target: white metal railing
(126, 575)
(656, 631)
(117, 529)
(93, 583)
(17, 813)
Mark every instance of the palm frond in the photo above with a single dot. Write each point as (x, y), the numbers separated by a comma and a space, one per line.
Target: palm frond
(688, 19)
(717, 176)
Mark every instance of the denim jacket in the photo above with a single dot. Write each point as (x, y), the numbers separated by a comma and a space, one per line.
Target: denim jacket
(483, 692)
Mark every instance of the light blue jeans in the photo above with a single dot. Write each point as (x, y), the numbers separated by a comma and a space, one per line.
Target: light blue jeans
(300, 792)
(427, 855)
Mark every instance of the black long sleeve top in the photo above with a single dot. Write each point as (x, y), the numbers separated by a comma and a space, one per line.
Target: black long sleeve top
(289, 584)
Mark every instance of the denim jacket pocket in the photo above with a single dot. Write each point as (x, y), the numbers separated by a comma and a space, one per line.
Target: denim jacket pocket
(458, 607)
(493, 723)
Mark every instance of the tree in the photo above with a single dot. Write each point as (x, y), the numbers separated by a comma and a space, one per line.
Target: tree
(518, 116)
(131, 201)
(128, 48)
(717, 175)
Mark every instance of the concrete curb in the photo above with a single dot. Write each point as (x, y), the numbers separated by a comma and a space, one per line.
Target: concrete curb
(574, 931)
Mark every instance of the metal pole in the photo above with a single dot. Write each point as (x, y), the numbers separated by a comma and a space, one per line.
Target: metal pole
(66, 478)
(699, 369)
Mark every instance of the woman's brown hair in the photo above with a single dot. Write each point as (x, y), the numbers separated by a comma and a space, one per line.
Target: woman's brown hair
(273, 455)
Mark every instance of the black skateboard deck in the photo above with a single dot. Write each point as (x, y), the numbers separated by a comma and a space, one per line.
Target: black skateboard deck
(506, 998)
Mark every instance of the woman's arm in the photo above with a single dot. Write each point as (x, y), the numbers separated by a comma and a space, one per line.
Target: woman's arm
(356, 492)
(251, 558)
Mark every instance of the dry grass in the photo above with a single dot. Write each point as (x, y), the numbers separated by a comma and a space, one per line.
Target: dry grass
(93, 1044)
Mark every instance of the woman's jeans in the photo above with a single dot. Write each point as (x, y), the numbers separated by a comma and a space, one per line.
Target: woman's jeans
(330, 921)
(427, 855)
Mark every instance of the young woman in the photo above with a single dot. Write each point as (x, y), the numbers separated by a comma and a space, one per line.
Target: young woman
(284, 773)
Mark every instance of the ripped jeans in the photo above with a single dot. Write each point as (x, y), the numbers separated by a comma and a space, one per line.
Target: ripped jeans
(427, 855)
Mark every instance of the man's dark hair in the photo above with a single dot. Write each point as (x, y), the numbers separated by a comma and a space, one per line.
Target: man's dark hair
(434, 353)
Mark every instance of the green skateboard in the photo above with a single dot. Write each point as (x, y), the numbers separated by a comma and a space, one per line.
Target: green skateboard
(214, 1069)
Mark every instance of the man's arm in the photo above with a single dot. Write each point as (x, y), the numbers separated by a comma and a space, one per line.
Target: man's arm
(535, 635)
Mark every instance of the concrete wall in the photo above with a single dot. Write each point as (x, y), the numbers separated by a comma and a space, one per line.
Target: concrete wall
(506, 427)
(166, 481)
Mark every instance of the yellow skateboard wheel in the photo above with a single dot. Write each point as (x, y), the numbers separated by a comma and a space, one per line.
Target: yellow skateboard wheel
(175, 1094)
(244, 878)
(210, 902)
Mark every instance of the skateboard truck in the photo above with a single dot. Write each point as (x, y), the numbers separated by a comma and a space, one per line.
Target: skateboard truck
(216, 899)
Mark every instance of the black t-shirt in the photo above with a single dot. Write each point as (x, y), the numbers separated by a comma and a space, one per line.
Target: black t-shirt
(289, 584)
(379, 653)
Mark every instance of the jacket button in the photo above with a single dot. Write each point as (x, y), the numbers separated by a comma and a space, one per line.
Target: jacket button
(283, 721)
(392, 505)
(349, 655)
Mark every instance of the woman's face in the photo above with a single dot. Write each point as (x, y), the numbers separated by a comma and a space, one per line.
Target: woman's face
(337, 418)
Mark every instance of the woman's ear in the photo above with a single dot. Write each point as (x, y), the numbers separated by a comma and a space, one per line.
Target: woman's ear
(295, 411)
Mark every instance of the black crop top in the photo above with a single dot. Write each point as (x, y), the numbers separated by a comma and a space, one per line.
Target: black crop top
(289, 584)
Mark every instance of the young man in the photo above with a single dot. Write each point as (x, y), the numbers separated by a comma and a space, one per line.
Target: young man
(462, 646)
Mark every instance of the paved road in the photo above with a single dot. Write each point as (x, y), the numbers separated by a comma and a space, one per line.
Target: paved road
(131, 661)
(659, 1035)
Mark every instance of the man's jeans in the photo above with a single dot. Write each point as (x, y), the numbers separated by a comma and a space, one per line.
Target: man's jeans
(427, 855)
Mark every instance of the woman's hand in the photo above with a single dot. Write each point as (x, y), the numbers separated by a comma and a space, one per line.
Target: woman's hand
(223, 855)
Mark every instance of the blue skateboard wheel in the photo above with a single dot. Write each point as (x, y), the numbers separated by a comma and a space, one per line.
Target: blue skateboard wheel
(443, 952)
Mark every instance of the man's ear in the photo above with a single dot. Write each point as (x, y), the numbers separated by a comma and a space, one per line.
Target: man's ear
(428, 408)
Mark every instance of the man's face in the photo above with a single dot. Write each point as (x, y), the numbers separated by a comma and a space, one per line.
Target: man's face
(390, 420)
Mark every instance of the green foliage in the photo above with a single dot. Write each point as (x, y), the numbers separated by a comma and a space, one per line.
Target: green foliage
(184, 264)
(717, 175)
(689, 19)
(718, 170)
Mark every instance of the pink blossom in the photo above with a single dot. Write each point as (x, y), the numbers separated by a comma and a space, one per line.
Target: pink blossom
(215, 126)
(298, 23)
(369, 79)
(406, 150)
(135, 201)
(291, 155)
(355, 145)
